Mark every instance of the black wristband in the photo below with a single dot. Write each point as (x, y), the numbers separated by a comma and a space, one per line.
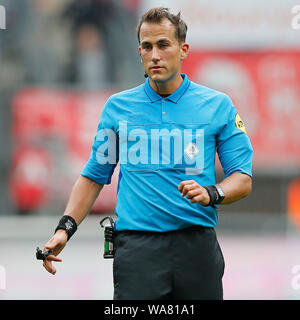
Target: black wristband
(67, 223)
(214, 195)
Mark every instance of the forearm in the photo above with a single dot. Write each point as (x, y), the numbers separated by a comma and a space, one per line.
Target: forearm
(236, 187)
(82, 198)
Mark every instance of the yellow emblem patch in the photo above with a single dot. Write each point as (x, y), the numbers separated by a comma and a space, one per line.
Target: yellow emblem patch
(239, 123)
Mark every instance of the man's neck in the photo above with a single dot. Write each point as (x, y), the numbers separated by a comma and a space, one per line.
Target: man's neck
(167, 87)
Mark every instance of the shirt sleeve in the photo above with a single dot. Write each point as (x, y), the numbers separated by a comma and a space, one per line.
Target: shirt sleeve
(104, 154)
(233, 145)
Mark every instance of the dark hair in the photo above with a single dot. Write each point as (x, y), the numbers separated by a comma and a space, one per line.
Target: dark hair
(158, 15)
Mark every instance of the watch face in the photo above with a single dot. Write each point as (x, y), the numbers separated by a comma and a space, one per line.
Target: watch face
(220, 191)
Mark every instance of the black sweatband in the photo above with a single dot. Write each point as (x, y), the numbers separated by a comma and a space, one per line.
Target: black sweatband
(214, 195)
(67, 223)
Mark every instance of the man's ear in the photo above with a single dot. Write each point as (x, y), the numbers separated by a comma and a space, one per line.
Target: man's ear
(184, 50)
(140, 54)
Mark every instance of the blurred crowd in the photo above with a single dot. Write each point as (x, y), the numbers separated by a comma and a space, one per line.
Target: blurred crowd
(75, 44)
(70, 42)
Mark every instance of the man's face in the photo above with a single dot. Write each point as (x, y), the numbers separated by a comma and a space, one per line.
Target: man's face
(160, 50)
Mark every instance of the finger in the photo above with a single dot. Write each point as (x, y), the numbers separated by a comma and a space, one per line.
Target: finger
(52, 257)
(183, 183)
(198, 198)
(54, 245)
(53, 251)
(188, 188)
(49, 267)
(193, 193)
(51, 244)
(202, 199)
(49, 247)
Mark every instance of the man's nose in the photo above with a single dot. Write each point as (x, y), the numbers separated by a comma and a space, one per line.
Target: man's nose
(155, 54)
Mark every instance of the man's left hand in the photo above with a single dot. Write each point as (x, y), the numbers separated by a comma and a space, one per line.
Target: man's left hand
(193, 191)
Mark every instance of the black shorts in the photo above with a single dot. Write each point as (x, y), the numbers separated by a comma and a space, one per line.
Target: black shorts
(181, 264)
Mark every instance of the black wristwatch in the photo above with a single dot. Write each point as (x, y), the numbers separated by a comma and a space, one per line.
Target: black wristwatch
(216, 194)
(220, 192)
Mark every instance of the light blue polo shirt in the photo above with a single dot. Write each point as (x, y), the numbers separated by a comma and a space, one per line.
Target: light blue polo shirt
(160, 142)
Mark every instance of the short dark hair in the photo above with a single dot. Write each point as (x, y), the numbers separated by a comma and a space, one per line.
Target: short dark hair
(157, 15)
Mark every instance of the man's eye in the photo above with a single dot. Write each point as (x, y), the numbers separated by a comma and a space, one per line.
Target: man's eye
(163, 45)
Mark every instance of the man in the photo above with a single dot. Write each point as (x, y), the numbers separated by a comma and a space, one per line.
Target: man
(165, 134)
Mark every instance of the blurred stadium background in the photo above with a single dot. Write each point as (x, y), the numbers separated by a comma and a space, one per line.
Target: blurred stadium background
(59, 62)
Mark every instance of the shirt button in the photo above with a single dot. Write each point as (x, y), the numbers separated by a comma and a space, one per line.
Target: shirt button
(164, 112)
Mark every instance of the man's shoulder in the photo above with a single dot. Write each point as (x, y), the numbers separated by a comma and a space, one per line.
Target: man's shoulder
(207, 93)
(128, 93)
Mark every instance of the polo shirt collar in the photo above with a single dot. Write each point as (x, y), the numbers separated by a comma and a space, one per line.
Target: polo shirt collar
(174, 97)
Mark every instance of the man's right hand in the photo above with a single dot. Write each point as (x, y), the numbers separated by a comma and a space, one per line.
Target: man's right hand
(56, 245)
(83, 196)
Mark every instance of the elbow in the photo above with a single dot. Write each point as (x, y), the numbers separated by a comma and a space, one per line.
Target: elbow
(248, 186)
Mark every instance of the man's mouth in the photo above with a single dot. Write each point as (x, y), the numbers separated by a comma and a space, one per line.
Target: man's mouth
(156, 68)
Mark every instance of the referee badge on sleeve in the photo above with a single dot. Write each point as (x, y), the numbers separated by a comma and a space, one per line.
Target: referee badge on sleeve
(239, 123)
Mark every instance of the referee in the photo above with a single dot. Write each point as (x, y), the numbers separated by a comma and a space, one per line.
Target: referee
(165, 133)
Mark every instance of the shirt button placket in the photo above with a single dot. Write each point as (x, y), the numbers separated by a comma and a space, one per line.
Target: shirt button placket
(163, 110)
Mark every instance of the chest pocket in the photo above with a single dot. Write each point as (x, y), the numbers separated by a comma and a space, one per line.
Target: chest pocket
(175, 147)
(190, 156)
